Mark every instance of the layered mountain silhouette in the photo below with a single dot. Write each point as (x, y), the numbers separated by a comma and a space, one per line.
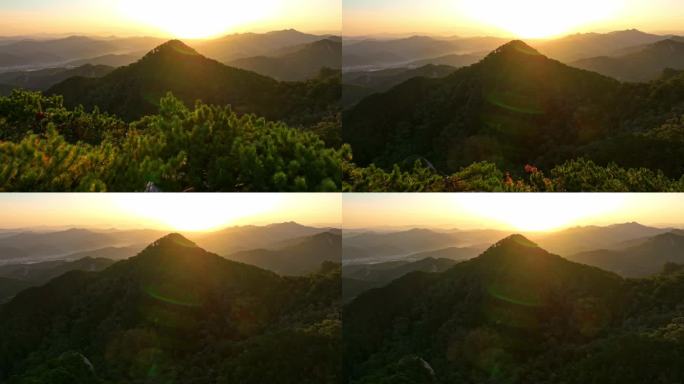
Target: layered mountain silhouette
(74, 243)
(248, 237)
(579, 46)
(134, 91)
(174, 312)
(646, 64)
(298, 256)
(515, 314)
(41, 52)
(515, 107)
(373, 51)
(453, 60)
(378, 244)
(244, 45)
(18, 277)
(359, 278)
(296, 63)
(644, 259)
(383, 80)
(588, 238)
(43, 79)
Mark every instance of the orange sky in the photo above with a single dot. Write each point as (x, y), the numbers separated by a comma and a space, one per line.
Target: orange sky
(167, 211)
(519, 18)
(166, 18)
(524, 212)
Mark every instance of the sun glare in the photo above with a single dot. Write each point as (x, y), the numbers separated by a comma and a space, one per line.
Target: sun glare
(199, 18)
(539, 212)
(540, 18)
(201, 212)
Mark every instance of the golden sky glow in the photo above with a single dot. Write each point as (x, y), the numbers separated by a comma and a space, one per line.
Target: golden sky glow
(519, 18)
(520, 212)
(198, 18)
(167, 18)
(181, 212)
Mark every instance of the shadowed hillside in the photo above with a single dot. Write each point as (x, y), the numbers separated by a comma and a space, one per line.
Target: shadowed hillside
(513, 108)
(174, 312)
(516, 314)
(135, 90)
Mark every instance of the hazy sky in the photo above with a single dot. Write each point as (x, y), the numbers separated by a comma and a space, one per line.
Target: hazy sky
(166, 211)
(168, 18)
(521, 18)
(524, 212)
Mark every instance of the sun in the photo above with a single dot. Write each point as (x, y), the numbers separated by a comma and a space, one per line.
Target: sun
(197, 19)
(539, 18)
(195, 212)
(535, 212)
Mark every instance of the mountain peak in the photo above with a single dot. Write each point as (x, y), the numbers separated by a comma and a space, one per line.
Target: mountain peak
(173, 47)
(516, 47)
(516, 240)
(174, 240)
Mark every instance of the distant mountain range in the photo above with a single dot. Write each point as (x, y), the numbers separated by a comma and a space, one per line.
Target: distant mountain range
(643, 259)
(18, 277)
(244, 45)
(41, 80)
(515, 314)
(297, 63)
(378, 245)
(365, 247)
(385, 79)
(244, 238)
(72, 243)
(179, 313)
(645, 64)
(34, 53)
(21, 246)
(358, 278)
(575, 47)
(383, 52)
(584, 238)
(298, 257)
(74, 51)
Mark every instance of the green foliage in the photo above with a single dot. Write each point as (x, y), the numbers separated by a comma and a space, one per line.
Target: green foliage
(208, 148)
(23, 112)
(578, 175)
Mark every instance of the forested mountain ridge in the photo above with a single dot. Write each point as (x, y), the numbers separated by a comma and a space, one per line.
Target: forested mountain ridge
(133, 91)
(174, 313)
(518, 107)
(517, 314)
